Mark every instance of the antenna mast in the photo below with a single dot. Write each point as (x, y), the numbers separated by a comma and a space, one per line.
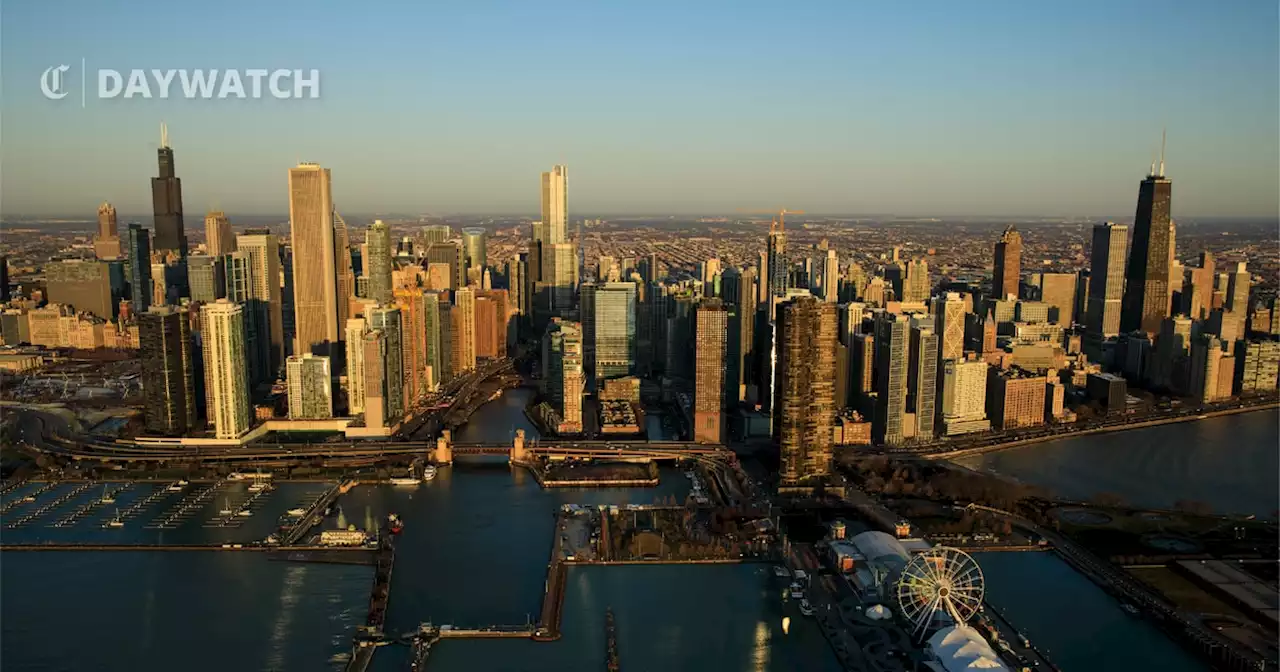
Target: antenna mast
(1162, 138)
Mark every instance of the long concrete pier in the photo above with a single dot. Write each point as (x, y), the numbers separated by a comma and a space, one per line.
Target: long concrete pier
(180, 547)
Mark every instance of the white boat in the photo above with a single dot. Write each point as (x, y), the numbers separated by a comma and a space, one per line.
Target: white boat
(428, 472)
(404, 480)
(226, 508)
(28, 499)
(297, 512)
(116, 522)
(244, 513)
(177, 486)
(806, 608)
(259, 486)
(106, 498)
(786, 624)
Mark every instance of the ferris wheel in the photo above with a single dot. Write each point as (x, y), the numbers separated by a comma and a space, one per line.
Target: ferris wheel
(942, 581)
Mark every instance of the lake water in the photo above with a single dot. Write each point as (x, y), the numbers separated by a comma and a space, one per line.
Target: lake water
(1229, 462)
(474, 552)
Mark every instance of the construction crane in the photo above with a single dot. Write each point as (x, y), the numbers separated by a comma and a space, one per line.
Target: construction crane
(778, 224)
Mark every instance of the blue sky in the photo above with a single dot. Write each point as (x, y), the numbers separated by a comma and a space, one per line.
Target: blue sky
(989, 107)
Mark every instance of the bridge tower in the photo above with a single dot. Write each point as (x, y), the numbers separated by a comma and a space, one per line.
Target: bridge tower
(444, 448)
(518, 454)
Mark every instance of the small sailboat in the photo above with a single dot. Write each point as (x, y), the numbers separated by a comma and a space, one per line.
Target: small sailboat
(244, 513)
(116, 522)
(106, 497)
(226, 508)
(786, 625)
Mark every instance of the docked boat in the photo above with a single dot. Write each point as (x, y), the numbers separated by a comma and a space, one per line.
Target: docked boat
(797, 590)
(28, 499)
(394, 524)
(177, 486)
(781, 572)
(106, 497)
(116, 522)
(406, 481)
(806, 608)
(428, 472)
(244, 513)
(226, 508)
(259, 486)
(298, 512)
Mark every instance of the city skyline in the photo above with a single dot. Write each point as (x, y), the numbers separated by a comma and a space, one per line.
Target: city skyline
(984, 111)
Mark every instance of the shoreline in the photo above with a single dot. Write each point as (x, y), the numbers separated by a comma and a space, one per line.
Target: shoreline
(1155, 422)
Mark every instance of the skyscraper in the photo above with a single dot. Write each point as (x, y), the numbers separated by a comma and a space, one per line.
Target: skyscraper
(310, 388)
(207, 277)
(559, 277)
(435, 320)
(139, 267)
(1238, 289)
(891, 362)
(831, 277)
(449, 253)
(519, 286)
(711, 333)
(778, 280)
(613, 331)
(344, 281)
(315, 292)
(555, 205)
(916, 285)
(474, 254)
(168, 371)
(562, 372)
(378, 390)
(1059, 291)
(1146, 290)
(219, 238)
(964, 397)
(922, 379)
(413, 342)
(465, 315)
(377, 264)
(1106, 286)
(386, 320)
(948, 319)
(356, 328)
(226, 370)
(436, 233)
(263, 251)
(106, 244)
(1008, 264)
(166, 202)
(804, 402)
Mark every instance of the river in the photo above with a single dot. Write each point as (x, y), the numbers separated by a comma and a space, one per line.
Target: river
(1229, 462)
(474, 552)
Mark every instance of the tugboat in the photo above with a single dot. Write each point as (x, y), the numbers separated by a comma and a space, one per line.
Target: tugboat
(394, 524)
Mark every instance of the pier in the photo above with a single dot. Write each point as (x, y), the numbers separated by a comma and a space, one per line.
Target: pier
(611, 660)
(370, 635)
(316, 512)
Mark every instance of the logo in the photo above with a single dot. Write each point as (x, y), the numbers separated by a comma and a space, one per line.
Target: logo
(51, 82)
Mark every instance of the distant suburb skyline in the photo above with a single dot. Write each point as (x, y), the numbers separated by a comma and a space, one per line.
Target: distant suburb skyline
(997, 108)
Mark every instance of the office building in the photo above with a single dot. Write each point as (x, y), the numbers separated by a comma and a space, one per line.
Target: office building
(377, 263)
(88, 285)
(474, 254)
(166, 201)
(436, 233)
(778, 278)
(964, 397)
(447, 253)
(1167, 369)
(310, 386)
(1237, 299)
(106, 244)
(315, 291)
(262, 249)
(464, 317)
(559, 278)
(862, 371)
(226, 370)
(613, 331)
(413, 342)
(891, 362)
(344, 280)
(218, 236)
(1106, 286)
(519, 286)
(804, 402)
(710, 354)
(1008, 264)
(1146, 289)
(168, 371)
(207, 277)
(948, 318)
(1058, 292)
(831, 277)
(1257, 366)
(915, 284)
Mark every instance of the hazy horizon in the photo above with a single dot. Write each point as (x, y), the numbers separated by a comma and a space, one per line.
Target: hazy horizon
(992, 110)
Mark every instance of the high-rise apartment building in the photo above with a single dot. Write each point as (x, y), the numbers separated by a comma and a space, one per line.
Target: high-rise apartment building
(1146, 290)
(519, 286)
(891, 361)
(563, 376)
(1008, 264)
(226, 370)
(315, 291)
(386, 320)
(804, 402)
(1106, 286)
(555, 205)
(344, 280)
(356, 328)
(778, 278)
(922, 380)
(310, 386)
(377, 263)
(1015, 398)
(831, 277)
(166, 201)
(964, 397)
(464, 315)
(711, 333)
(377, 386)
(436, 322)
(413, 342)
(168, 371)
